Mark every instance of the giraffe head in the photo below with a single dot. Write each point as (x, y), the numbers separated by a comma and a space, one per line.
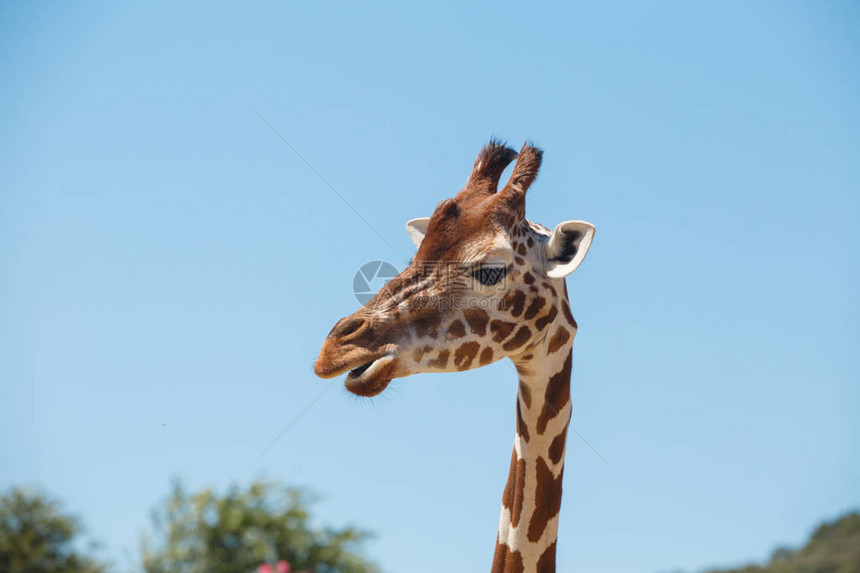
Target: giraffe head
(485, 284)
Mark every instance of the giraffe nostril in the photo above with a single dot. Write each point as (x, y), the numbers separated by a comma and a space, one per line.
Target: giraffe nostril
(347, 327)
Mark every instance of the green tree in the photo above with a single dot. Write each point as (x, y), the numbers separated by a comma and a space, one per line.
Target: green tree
(236, 532)
(833, 548)
(35, 537)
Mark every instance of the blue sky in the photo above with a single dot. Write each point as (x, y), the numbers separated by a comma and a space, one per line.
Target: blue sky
(169, 267)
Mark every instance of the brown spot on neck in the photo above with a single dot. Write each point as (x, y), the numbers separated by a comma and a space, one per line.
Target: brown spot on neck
(506, 561)
(526, 393)
(464, 355)
(522, 429)
(546, 563)
(519, 492)
(547, 499)
(501, 329)
(565, 309)
(522, 336)
(512, 497)
(486, 356)
(536, 305)
(556, 448)
(546, 319)
(558, 339)
(557, 395)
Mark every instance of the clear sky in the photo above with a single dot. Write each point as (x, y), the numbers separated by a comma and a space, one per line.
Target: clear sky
(169, 266)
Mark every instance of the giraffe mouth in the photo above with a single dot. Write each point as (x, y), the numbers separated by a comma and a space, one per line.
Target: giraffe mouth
(357, 372)
(370, 378)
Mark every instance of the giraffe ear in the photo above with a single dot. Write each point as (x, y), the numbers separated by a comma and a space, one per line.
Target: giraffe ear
(567, 247)
(417, 228)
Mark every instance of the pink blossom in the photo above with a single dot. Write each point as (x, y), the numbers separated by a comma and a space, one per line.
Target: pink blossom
(264, 568)
(283, 567)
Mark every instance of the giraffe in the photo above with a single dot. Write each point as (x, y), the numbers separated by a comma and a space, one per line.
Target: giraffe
(484, 284)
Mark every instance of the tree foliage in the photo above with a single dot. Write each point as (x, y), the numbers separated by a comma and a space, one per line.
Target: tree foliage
(236, 532)
(833, 548)
(35, 537)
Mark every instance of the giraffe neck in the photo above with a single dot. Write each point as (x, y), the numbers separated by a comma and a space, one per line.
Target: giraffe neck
(528, 526)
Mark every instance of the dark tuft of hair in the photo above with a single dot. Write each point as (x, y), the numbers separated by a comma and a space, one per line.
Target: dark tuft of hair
(528, 165)
(489, 165)
(568, 247)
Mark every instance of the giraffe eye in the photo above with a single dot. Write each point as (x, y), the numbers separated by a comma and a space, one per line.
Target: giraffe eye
(489, 276)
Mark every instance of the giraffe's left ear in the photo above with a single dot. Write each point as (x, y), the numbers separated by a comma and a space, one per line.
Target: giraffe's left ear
(567, 247)
(417, 228)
